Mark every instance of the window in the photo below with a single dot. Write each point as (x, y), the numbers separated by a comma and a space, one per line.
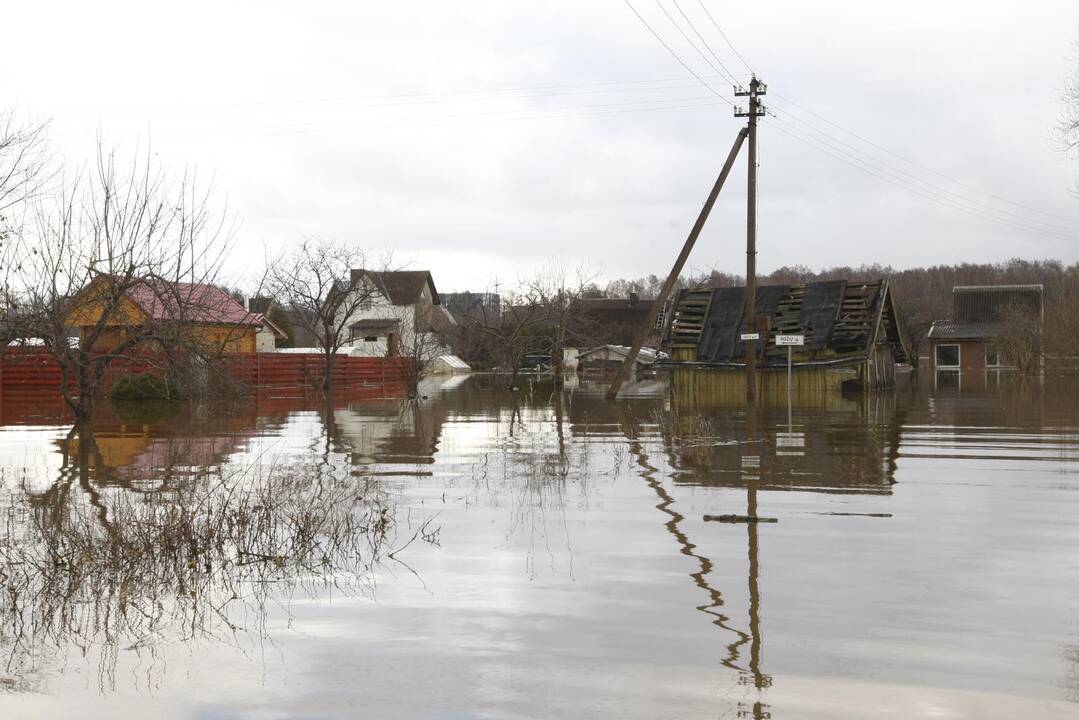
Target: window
(947, 356)
(992, 356)
(370, 338)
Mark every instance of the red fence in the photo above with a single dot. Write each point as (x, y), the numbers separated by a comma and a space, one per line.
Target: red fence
(30, 370)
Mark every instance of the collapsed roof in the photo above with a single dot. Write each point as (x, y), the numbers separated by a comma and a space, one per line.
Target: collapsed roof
(839, 319)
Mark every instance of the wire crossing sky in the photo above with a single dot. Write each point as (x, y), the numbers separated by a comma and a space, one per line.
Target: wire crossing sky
(481, 139)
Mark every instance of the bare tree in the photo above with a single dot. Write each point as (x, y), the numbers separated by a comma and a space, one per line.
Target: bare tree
(22, 170)
(557, 293)
(422, 343)
(1061, 335)
(1069, 117)
(317, 283)
(102, 238)
(517, 332)
(1019, 340)
(23, 162)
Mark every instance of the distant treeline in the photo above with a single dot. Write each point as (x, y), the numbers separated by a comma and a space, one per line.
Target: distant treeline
(923, 294)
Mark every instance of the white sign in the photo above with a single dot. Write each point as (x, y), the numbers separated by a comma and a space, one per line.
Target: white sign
(788, 340)
(790, 440)
(751, 336)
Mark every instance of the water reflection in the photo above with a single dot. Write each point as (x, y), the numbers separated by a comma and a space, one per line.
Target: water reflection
(562, 552)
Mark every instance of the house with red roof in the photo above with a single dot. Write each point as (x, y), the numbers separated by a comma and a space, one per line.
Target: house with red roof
(108, 315)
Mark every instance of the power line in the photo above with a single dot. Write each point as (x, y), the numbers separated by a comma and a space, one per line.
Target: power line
(701, 102)
(724, 36)
(675, 55)
(731, 77)
(872, 167)
(909, 186)
(692, 44)
(407, 99)
(788, 101)
(916, 179)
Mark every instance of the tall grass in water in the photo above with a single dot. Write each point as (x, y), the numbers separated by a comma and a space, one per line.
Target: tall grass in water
(106, 571)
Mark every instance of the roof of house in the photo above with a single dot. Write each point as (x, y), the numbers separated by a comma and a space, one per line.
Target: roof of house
(402, 287)
(163, 300)
(952, 330)
(261, 319)
(991, 303)
(838, 318)
(453, 361)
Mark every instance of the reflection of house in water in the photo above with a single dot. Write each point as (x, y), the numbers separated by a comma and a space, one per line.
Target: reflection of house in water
(392, 431)
(827, 451)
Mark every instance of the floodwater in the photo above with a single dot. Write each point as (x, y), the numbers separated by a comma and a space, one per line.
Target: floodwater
(545, 555)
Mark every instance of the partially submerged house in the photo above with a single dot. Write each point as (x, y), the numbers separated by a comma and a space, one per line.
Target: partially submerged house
(607, 359)
(852, 337)
(401, 315)
(203, 316)
(981, 316)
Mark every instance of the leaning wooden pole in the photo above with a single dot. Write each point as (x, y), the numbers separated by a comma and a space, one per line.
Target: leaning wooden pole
(672, 278)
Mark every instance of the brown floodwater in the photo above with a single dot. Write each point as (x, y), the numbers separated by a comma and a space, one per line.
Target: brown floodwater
(485, 554)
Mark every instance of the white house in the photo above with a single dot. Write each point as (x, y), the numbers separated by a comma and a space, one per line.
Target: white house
(402, 315)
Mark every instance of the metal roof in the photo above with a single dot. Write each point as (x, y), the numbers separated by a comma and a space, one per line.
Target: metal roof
(994, 288)
(952, 330)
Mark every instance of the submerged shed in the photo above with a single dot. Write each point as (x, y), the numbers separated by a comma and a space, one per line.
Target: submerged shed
(606, 359)
(852, 335)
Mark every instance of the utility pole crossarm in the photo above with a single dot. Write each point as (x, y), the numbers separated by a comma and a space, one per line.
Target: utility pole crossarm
(676, 270)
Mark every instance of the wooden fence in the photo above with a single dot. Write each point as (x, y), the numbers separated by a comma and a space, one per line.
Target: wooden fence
(31, 370)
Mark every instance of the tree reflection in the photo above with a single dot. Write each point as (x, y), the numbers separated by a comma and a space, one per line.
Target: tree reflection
(106, 572)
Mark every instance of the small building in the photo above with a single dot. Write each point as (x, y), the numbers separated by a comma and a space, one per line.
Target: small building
(852, 338)
(447, 365)
(212, 321)
(981, 316)
(605, 360)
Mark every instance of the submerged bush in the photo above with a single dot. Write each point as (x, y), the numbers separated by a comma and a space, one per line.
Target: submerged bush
(144, 386)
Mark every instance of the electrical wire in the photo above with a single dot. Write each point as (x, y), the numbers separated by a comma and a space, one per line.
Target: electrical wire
(692, 44)
(475, 118)
(724, 36)
(788, 101)
(416, 99)
(889, 173)
(730, 75)
(675, 55)
(793, 132)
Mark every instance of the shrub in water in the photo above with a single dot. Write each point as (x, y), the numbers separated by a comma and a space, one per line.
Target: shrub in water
(144, 386)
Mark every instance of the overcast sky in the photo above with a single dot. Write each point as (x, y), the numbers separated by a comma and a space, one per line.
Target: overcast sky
(481, 139)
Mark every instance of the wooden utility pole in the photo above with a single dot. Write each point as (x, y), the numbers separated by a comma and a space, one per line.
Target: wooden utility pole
(679, 263)
(756, 89)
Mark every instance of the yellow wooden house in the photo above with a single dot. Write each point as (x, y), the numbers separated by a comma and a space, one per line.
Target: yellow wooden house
(206, 316)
